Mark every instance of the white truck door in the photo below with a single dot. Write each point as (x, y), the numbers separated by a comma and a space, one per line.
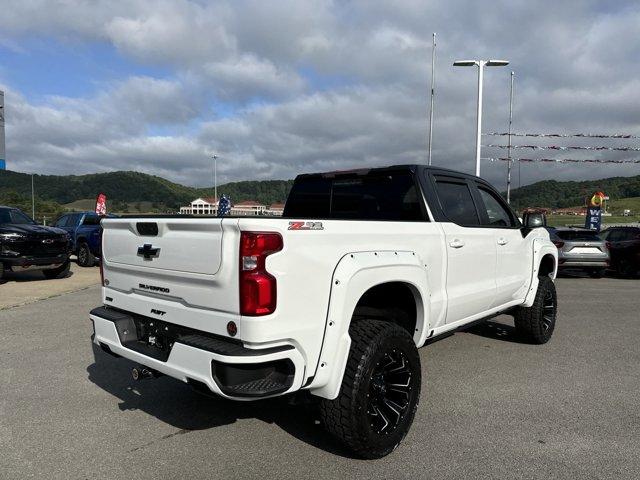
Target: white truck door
(514, 253)
(471, 252)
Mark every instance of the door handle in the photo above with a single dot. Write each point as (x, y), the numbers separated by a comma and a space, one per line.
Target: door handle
(502, 241)
(456, 243)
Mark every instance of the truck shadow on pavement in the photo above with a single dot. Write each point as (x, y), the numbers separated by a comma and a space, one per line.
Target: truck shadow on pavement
(494, 330)
(178, 405)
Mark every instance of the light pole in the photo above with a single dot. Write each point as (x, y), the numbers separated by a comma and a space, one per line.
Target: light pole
(433, 85)
(33, 200)
(215, 181)
(509, 162)
(480, 64)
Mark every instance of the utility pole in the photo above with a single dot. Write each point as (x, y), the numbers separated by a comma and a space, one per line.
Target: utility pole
(433, 85)
(33, 200)
(509, 162)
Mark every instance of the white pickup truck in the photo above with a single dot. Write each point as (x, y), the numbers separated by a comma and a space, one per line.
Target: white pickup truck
(334, 298)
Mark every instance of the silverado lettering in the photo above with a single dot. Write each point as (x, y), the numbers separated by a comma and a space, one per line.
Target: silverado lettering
(153, 288)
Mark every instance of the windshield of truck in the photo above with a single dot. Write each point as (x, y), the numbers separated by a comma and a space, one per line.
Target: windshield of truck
(374, 196)
(14, 217)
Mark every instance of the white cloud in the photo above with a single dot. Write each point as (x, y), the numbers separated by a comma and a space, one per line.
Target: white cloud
(314, 85)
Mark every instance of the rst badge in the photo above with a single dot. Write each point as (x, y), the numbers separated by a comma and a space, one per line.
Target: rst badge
(305, 226)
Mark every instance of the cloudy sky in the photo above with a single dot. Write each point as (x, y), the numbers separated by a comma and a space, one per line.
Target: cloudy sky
(276, 88)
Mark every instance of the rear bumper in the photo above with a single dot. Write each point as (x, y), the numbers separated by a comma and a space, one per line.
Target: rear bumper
(226, 367)
(583, 262)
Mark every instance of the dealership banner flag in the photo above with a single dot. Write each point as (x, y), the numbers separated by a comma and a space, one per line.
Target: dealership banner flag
(101, 204)
(593, 221)
(594, 218)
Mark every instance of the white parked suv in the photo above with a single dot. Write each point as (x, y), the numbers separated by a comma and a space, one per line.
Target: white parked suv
(333, 299)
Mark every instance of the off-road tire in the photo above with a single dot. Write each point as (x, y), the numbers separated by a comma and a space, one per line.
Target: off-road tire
(60, 272)
(85, 257)
(535, 324)
(348, 417)
(1, 270)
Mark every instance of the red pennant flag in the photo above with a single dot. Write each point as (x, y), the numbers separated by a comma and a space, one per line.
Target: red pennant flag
(101, 204)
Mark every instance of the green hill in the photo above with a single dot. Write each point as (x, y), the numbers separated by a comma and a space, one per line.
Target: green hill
(554, 194)
(128, 191)
(135, 192)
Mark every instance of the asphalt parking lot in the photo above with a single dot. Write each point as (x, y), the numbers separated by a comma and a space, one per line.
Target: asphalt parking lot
(491, 407)
(26, 287)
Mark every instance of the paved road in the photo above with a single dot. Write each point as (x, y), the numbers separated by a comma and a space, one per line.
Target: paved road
(26, 287)
(492, 408)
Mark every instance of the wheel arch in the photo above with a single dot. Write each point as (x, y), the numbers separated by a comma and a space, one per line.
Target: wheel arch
(545, 263)
(370, 285)
(395, 301)
(547, 266)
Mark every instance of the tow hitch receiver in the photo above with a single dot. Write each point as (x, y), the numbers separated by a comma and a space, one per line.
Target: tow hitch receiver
(140, 372)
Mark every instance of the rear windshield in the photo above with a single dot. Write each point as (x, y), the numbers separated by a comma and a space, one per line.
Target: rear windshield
(375, 196)
(580, 236)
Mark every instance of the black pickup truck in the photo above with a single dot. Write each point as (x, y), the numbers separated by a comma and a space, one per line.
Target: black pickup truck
(25, 245)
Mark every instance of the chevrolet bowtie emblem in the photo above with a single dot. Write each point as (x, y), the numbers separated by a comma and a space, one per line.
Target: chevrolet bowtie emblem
(148, 251)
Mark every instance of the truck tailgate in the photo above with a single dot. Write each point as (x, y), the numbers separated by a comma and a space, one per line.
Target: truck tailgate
(176, 259)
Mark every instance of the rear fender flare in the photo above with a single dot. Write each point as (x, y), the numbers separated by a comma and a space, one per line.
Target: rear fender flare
(354, 275)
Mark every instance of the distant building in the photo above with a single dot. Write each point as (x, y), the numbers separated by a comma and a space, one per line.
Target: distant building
(209, 206)
(201, 206)
(248, 207)
(3, 158)
(275, 209)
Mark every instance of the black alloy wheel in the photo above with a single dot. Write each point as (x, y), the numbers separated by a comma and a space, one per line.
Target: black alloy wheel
(549, 308)
(389, 392)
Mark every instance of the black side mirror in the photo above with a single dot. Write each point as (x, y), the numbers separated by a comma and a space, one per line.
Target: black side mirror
(534, 220)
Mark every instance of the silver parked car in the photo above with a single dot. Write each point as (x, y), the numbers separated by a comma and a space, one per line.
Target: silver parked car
(579, 248)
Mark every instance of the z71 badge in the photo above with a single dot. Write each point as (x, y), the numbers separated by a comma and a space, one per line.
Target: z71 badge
(305, 226)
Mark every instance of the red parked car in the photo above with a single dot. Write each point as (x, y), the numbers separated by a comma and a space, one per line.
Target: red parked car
(624, 247)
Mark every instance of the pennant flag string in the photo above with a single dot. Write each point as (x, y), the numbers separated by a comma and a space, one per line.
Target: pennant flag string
(555, 147)
(561, 160)
(561, 135)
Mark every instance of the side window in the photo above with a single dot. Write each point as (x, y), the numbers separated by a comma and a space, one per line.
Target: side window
(497, 214)
(91, 219)
(457, 202)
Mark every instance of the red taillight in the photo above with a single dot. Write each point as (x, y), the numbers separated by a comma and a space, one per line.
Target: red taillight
(558, 243)
(258, 290)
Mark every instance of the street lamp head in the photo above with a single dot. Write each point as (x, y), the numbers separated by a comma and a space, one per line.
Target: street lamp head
(465, 63)
(497, 63)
